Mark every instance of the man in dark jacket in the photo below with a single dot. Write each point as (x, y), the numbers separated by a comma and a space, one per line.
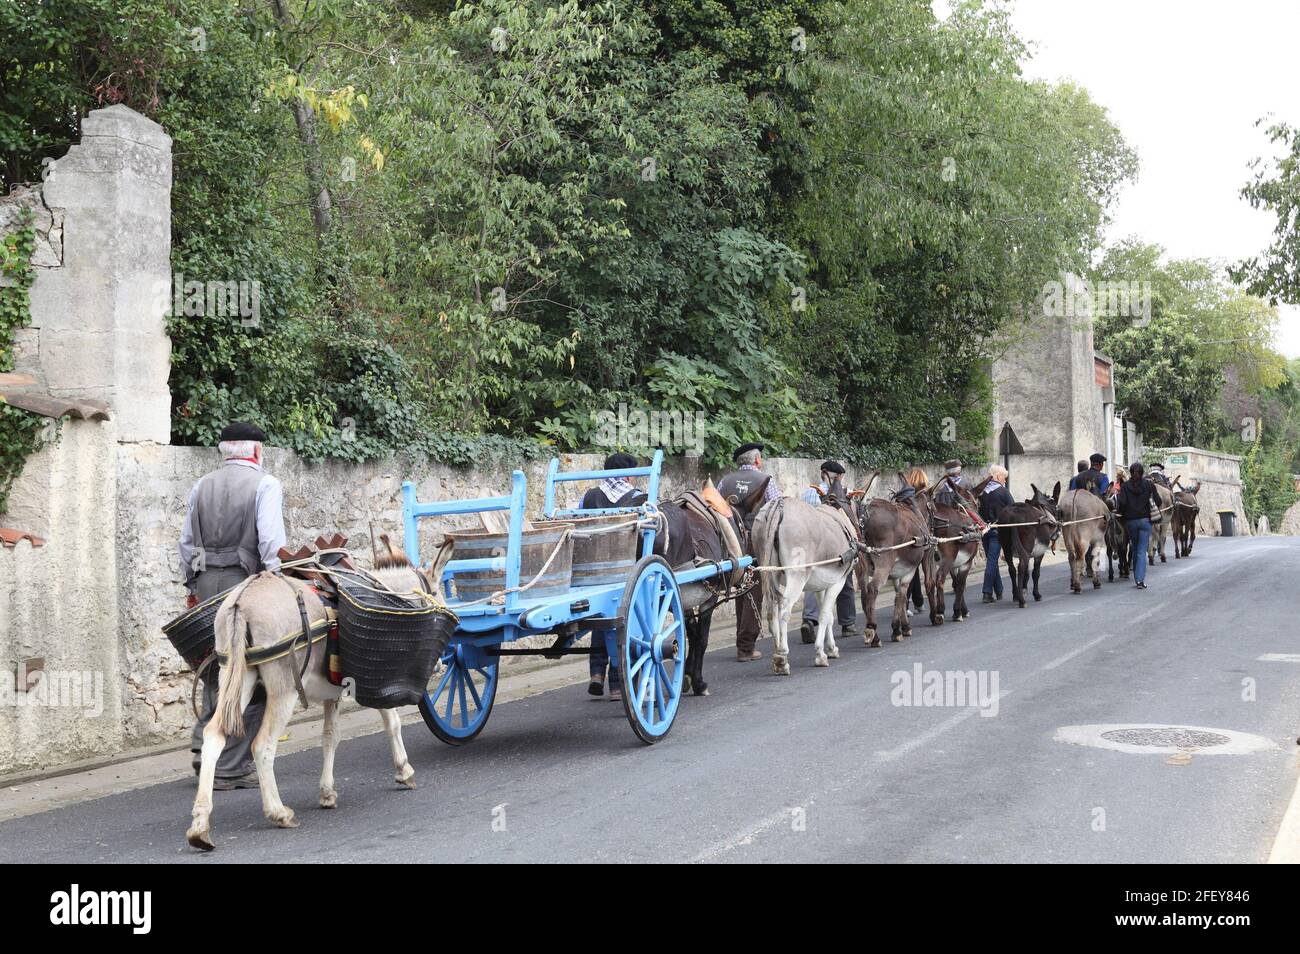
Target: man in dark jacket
(1080, 468)
(1136, 499)
(734, 486)
(610, 492)
(993, 501)
(615, 491)
(1094, 478)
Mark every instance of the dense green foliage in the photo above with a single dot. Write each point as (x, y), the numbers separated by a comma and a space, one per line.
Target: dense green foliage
(20, 432)
(481, 226)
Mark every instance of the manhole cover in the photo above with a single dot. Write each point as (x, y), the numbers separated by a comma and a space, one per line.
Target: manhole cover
(1176, 736)
(1163, 739)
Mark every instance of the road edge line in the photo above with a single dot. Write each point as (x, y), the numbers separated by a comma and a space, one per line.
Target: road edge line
(1286, 846)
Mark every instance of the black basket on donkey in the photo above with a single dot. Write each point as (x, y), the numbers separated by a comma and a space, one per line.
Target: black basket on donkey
(193, 634)
(389, 644)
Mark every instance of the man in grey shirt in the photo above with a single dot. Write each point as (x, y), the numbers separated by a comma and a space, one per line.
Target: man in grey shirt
(234, 528)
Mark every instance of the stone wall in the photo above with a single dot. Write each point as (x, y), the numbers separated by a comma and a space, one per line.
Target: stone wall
(58, 603)
(1220, 477)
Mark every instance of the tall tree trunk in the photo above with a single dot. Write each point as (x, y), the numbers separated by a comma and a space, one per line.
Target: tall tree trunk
(318, 193)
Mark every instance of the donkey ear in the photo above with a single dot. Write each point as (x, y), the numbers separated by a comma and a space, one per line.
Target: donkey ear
(1034, 488)
(979, 488)
(1056, 492)
(867, 486)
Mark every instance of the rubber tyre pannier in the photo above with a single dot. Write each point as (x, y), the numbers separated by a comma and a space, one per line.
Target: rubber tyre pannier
(388, 647)
(192, 633)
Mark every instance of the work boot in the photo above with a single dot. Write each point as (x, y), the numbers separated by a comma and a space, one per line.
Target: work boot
(750, 656)
(808, 630)
(988, 598)
(230, 784)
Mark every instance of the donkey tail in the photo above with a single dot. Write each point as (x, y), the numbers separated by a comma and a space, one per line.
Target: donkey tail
(229, 712)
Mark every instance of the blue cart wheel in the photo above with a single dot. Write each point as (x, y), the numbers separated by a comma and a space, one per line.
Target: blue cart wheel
(459, 699)
(652, 649)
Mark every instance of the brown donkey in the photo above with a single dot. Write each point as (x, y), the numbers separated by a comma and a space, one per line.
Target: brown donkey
(889, 525)
(1084, 518)
(960, 518)
(1025, 531)
(1184, 519)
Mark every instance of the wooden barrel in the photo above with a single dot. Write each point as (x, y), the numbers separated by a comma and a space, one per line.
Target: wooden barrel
(538, 544)
(602, 556)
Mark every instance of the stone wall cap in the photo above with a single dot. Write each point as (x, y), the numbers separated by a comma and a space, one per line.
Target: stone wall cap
(123, 122)
(1220, 455)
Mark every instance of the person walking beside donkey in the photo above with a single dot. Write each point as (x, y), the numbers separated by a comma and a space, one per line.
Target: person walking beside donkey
(233, 529)
(609, 493)
(1137, 500)
(735, 486)
(846, 609)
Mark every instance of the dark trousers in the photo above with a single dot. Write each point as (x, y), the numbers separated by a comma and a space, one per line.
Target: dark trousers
(237, 757)
(992, 571)
(846, 608)
(599, 661)
(915, 591)
(748, 614)
(1139, 531)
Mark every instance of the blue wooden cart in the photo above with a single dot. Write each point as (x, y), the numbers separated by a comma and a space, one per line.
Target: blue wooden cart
(640, 618)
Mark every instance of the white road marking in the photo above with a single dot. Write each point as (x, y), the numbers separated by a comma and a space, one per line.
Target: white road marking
(1060, 660)
(1286, 846)
(931, 734)
(1280, 657)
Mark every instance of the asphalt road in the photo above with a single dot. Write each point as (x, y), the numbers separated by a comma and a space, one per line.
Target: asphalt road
(822, 765)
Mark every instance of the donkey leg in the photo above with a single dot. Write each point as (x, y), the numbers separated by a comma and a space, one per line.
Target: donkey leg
(794, 584)
(214, 742)
(393, 726)
(870, 592)
(329, 743)
(1094, 565)
(899, 623)
(826, 649)
(1038, 565)
(959, 610)
(279, 709)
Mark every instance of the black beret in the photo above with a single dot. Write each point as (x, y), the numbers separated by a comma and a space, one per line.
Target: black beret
(1098, 458)
(1157, 466)
(242, 431)
(950, 464)
(832, 467)
(620, 461)
(743, 448)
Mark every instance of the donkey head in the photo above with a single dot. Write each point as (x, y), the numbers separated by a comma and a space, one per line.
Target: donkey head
(1045, 503)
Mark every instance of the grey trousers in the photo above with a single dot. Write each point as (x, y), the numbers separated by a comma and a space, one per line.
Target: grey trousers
(237, 757)
(846, 609)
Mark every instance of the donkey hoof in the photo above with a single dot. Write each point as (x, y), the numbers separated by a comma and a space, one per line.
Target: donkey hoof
(833, 652)
(936, 620)
(872, 641)
(686, 684)
(820, 661)
(200, 838)
(328, 798)
(283, 818)
(700, 690)
(896, 638)
(1038, 597)
(405, 776)
(780, 666)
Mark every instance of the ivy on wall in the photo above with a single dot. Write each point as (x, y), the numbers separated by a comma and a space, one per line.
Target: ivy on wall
(20, 432)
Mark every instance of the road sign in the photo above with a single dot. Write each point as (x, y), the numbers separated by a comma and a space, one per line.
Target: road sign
(1008, 443)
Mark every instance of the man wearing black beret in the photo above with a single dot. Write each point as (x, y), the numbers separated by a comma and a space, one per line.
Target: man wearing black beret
(846, 608)
(234, 527)
(734, 486)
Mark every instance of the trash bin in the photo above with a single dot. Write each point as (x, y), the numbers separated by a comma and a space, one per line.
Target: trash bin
(1227, 523)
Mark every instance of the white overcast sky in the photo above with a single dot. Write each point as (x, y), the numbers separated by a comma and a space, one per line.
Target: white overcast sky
(1185, 81)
